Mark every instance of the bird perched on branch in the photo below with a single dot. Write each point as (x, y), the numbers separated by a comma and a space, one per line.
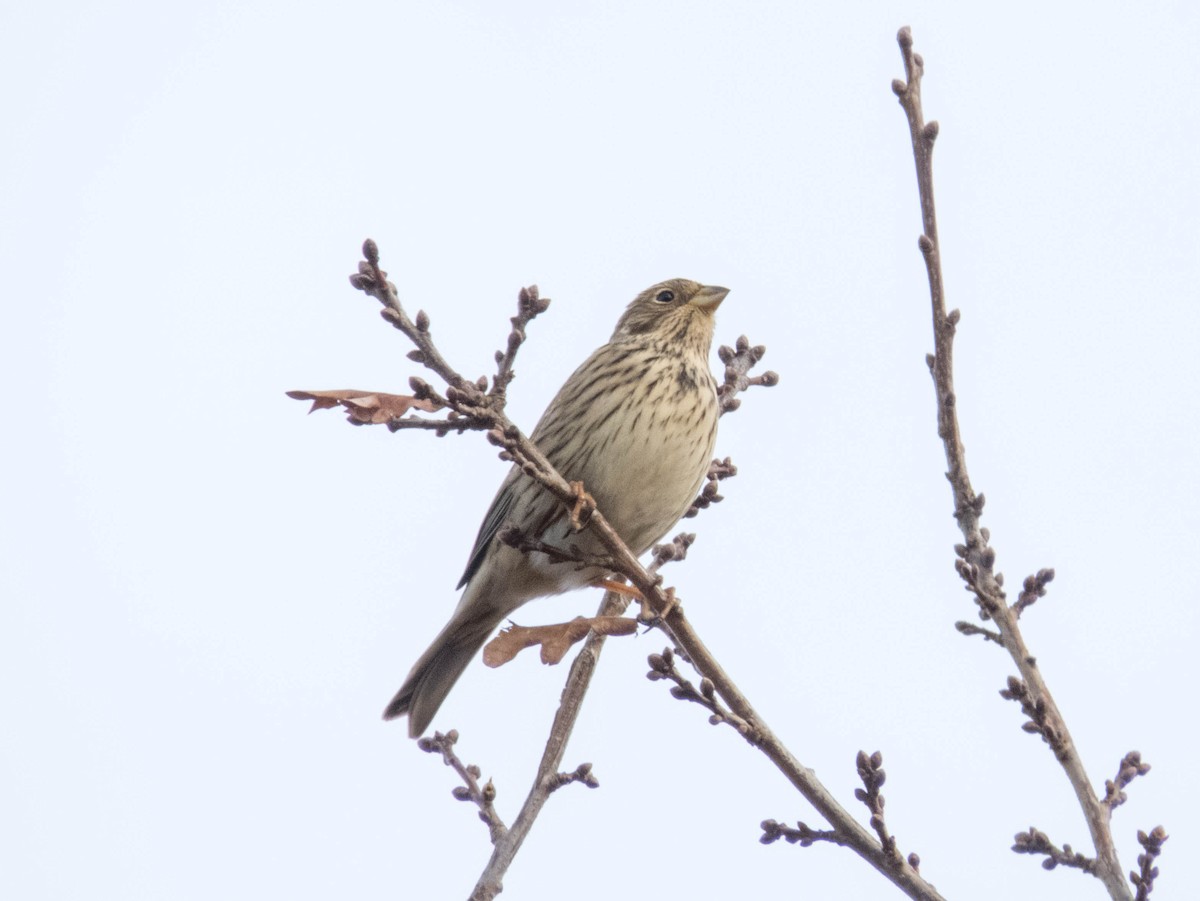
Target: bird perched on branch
(636, 424)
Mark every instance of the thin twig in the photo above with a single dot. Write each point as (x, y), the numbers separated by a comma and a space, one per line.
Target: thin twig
(967, 628)
(442, 427)
(515, 538)
(1034, 588)
(529, 305)
(662, 666)
(481, 796)
(1131, 767)
(739, 360)
(870, 771)
(1151, 843)
(1037, 842)
(718, 471)
(672, 551)
(581, 774)
(774, 831)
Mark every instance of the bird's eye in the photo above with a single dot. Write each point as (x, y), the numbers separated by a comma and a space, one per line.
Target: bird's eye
(665, 296)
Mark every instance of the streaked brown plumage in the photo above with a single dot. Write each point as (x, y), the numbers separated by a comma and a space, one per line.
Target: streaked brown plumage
(636, 423)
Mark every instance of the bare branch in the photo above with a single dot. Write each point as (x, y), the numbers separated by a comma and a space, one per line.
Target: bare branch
(1131, 767)
(441, 427)
(738, 363)
(802, 834)
(1034, 588)
(372, 280)
(662, 666)
(581, 774)
(1144, 878)
(481, 796)
(967, 628)
(870, 771)
(672, 551)
(1038, 711)
(1036, 842)
(717, 471)
(901, 872)
(529, 305)
(976, 559)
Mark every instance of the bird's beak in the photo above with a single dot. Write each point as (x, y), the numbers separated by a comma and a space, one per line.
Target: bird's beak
(709, 297)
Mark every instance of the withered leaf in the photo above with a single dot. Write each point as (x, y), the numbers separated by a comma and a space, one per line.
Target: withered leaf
(555, 639)
(365, 407)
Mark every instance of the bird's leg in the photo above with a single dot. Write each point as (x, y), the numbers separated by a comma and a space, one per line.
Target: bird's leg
(584, 505)
(620, 588)
(647, 616)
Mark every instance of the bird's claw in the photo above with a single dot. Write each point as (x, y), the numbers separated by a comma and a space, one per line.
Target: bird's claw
(652, 618)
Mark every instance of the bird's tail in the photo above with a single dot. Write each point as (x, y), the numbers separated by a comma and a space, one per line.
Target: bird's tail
(443, 662)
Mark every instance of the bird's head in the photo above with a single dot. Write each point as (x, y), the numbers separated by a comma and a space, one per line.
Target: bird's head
(677, 311)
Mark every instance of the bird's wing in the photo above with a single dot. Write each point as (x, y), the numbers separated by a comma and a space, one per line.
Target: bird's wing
(553, 434)
(495, 518)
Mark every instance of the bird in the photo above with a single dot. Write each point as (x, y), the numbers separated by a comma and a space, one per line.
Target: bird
(636, 423)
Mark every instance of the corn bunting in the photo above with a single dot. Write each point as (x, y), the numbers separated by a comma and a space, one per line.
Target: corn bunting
(636, 423)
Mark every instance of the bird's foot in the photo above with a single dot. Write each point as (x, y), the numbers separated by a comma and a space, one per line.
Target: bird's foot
(646, 616)
(652, 618)
(585, 504)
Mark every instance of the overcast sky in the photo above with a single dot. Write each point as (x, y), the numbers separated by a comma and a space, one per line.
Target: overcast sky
(207, 597)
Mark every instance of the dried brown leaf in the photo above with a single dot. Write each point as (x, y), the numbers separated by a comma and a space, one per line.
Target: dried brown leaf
(366, 407)
(555, 639)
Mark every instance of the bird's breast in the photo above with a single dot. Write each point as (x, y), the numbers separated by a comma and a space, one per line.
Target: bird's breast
(646, 445)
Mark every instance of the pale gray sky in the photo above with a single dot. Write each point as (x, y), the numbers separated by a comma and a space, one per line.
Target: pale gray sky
(207, 597)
